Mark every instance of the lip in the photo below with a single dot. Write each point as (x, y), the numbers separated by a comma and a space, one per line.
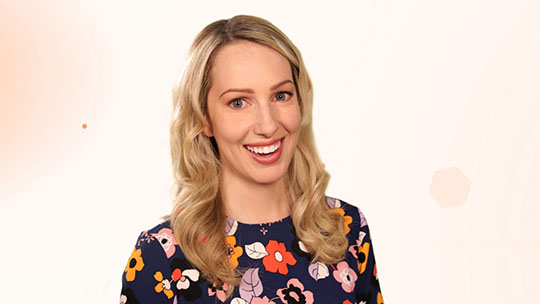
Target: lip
(267, 160)
(264, 144)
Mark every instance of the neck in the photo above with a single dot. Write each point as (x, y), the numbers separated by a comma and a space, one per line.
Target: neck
(253, 203)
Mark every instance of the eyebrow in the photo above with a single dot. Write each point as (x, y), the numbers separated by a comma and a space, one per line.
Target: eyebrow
(251, 91)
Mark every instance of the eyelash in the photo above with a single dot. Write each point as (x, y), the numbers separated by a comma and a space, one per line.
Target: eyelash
(241, 99)
(287, 93)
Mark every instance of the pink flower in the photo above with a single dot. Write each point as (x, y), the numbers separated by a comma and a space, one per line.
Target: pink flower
(295, 293)
(264, 300)
(219, 292)
(166, 239)
(346, 276)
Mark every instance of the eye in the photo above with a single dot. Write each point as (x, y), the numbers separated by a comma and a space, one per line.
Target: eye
(237, 103)
(283, 96)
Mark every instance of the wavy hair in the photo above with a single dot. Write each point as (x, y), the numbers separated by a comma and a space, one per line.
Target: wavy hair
(197, 219)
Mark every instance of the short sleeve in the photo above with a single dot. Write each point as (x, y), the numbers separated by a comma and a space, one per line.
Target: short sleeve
(147, 273)
(368, 289)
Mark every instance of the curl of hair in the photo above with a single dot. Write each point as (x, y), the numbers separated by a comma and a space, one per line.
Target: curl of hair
(197, 218)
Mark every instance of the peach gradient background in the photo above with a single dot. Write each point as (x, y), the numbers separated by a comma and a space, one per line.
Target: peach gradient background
(426, 115)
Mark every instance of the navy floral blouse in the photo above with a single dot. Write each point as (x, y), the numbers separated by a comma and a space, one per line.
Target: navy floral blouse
(276, 266)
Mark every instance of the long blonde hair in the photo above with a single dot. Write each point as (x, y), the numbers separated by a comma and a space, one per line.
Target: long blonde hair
(197, 218)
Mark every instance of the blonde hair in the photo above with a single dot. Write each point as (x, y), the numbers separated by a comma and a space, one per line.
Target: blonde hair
(197, 219)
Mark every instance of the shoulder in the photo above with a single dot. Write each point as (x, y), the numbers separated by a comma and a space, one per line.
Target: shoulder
(348, 209)
(158, 241)
(361, 248)
(354, 218)
(153, 259)
(154, 250)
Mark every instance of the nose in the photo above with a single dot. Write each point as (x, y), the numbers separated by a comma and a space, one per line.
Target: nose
(266, 123)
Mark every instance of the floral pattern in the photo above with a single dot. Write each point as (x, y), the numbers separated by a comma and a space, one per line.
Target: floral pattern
(274, 263)
(186, 279)
(163, 285)
(346, 276)
(278, 258)
(219, 291)
(135, 263)
(166, 239)
(263, 300)
(233, 252)
(128, 297)
(354, 248)
(298, 247)
(294, 293)
(347, 220)
(363, 253)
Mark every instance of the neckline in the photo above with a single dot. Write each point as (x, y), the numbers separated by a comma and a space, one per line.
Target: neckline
(283, 220)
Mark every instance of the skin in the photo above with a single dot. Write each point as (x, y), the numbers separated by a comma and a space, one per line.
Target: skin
(252, 192)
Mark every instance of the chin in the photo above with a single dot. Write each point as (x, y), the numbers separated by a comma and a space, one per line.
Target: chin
(269, 177)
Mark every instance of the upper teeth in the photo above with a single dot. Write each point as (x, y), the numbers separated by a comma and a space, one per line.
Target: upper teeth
(266, 149)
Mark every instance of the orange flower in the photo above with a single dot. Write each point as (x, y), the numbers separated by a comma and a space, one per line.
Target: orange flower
(363, 253)
(163, 285)
(233, 252)
(347, 220)
(278, 258)
(134, 264)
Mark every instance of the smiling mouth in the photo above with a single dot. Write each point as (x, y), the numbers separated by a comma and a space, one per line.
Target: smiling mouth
(264, 150)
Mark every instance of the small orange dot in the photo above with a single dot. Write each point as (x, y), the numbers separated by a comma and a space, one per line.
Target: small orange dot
(323, 165)
(84, 126)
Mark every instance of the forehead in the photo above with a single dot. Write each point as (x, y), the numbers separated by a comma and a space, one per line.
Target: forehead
(247, 64)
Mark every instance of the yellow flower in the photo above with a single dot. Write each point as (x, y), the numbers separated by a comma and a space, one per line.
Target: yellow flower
(163, 285)
(363, 253)
(347, 220)
(134, 264)
(233, 252)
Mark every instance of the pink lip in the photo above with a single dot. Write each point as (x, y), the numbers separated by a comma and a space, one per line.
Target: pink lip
(267, 160)
(263, 144)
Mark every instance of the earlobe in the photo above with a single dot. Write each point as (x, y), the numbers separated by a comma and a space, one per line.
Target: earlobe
(208, 131)
(207, 128)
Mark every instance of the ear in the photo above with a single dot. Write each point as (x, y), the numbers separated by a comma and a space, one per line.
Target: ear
(208, 128)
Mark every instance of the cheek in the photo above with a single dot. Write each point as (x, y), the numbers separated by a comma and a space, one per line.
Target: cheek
(227, 131)
(291, 120)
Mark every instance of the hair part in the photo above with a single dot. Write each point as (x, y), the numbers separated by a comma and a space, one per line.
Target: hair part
(197, 218)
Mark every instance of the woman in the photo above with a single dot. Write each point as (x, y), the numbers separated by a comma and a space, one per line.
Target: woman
(251, 222)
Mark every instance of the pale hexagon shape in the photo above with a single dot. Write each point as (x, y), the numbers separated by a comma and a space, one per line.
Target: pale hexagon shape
(450, 187)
